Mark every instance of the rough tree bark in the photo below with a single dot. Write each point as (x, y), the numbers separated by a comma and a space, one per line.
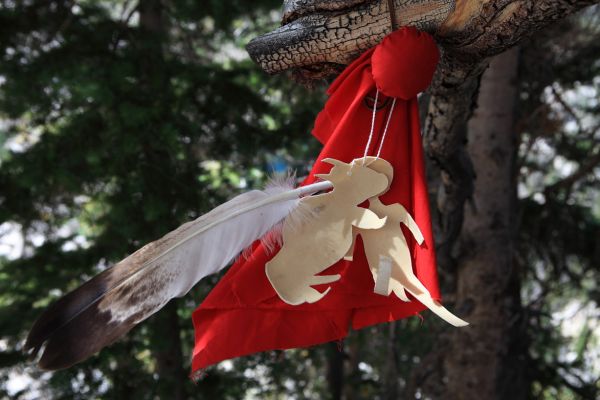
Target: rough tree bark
(450, 105)
(488, 359)
(316, 35)
(488, 280)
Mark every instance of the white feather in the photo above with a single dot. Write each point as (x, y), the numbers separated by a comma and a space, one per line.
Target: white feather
(201, 248)
(108, 305)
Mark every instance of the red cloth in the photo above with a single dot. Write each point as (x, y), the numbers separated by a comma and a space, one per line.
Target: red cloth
(243, 314)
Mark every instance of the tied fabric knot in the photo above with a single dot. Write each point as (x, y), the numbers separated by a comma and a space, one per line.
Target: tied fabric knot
(403, 64)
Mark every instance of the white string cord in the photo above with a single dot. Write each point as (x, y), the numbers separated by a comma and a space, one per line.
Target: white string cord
(387, 124)
(372, 126)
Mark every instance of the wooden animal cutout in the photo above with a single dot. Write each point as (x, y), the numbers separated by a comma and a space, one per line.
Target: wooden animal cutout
(312, 245)
(388, 254)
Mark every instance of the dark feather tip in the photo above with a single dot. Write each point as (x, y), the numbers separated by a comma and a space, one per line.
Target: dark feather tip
(72, 328)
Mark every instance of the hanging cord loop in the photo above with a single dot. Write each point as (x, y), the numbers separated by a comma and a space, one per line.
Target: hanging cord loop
(387, 124)
(372, 126)
(372, 131)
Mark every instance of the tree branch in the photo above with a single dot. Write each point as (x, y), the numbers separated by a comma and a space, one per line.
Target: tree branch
(480, 29)
(318, 36)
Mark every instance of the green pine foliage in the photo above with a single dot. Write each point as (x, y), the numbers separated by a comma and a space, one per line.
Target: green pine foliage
(122, 119)
(120, 122)
(559, 217)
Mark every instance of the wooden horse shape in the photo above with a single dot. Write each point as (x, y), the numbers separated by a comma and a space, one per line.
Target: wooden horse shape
(313, 245)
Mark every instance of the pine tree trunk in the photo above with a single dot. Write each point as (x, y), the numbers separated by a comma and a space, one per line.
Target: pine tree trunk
(486, 360)
(390, 378)
(167, 351)
(335, 370)
(165, 335)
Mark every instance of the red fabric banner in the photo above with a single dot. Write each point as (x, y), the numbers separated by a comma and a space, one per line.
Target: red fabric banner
(243, 314)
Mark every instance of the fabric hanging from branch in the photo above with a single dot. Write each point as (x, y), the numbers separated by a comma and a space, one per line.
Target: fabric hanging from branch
(243, 314)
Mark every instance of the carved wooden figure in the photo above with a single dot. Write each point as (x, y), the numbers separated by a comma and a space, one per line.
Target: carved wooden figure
(319, 231)
(388, 253)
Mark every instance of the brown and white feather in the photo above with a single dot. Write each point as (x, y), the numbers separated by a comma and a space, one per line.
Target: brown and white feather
(106, 307)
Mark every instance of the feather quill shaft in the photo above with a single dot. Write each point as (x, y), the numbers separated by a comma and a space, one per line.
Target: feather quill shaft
(277, 198)
(107, 306)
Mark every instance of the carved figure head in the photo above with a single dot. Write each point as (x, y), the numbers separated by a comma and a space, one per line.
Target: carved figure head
(383, 167)
(363, 181)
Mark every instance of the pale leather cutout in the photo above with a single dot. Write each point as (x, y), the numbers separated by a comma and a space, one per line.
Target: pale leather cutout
(326, 236)
(329, 235)
(389, 241)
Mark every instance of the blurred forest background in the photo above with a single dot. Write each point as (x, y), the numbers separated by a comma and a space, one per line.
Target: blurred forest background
(122, 119)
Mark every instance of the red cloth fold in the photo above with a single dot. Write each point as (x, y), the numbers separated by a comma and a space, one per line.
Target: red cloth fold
(243, 314)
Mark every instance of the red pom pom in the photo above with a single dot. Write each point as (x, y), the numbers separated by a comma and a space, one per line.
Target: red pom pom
(404, 62)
